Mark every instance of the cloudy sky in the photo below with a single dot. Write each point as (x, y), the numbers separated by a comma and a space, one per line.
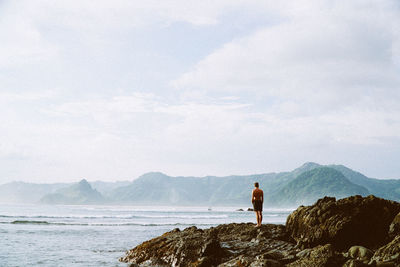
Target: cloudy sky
(109, 90)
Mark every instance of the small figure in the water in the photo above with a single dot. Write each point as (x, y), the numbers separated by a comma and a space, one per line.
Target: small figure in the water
(257, 198)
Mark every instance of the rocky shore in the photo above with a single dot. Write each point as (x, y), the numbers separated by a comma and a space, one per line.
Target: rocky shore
(350, 232)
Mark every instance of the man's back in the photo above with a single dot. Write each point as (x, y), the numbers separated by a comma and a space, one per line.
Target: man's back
(258, 194)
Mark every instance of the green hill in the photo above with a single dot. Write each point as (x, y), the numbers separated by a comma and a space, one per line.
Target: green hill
(385, 188)
(311, 185)
(388, 188)
(79, 193)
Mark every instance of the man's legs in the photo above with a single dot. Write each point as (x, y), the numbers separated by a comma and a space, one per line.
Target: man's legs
(258, 217)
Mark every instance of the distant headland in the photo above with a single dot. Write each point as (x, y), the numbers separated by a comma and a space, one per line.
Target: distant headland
(301, 186)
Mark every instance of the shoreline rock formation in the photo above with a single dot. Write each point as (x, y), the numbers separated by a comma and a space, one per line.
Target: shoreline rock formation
(354, 231)
(354, 220)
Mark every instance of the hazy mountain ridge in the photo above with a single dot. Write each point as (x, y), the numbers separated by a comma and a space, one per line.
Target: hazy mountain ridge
(79, 193)
(303, 185)
(388, 188)
(105, 188)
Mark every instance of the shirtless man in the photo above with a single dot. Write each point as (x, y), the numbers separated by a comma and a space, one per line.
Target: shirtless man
(257, 198)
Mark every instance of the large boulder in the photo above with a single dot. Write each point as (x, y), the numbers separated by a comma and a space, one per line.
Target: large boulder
(360, 253)
(350, 221)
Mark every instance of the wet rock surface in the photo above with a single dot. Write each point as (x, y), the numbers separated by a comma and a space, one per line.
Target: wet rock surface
(320, 256)
(224, 245)
(394, 228)
(348, 232)
(389, 252)
(350, 221)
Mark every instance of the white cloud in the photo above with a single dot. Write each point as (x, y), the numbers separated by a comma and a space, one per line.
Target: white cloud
(126, 135)
(21, 43)
(318, 81)
(43, 31)
(330, 57)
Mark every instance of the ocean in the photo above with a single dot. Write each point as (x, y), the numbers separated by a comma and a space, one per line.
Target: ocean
(89, 235)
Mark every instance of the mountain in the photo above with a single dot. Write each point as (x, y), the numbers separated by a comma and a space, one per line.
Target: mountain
(316, 183)
(159, 189)
(79, 193)
(308, 166)
(385, 188)
(388, 188)
(22, 192)
(302, 185)
(105, 188)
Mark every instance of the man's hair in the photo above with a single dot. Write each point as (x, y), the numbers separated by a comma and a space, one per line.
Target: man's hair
(256, 184)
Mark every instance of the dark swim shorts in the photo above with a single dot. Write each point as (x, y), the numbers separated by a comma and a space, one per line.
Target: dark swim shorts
(257, 205)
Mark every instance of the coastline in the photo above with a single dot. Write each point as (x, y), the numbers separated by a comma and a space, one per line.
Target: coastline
(329, 233)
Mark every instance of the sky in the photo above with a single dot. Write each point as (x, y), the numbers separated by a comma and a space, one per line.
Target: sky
(109, 90)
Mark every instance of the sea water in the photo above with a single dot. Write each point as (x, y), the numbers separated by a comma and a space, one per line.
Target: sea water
(72, 235)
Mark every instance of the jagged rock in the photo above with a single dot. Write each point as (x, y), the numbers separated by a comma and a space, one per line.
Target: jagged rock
(343, 223)
(355, 263)
(153, 262)
(394, 228)
(389, 253)
(353, 223)
(320, 256)
(238, 261)
(243, 261)
(265, 263)
(386, 264)
(360, 253)
(304, 253)
(274, 254)
(224, 245)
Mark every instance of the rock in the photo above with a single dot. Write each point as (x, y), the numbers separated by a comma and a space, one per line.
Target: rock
(213, 249)
(324, 231)
(394, 228)
(179, 253)
(343, 223)
(265, 263)
(304, 253)
(274, 254)
(239, 210)
(250, 209)
(388, 253)
(360, 253)
(354, 263)
(153, 262)
(320, 256)
(238, 261)
(250, 262)
(224, 245)
(385, 264)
